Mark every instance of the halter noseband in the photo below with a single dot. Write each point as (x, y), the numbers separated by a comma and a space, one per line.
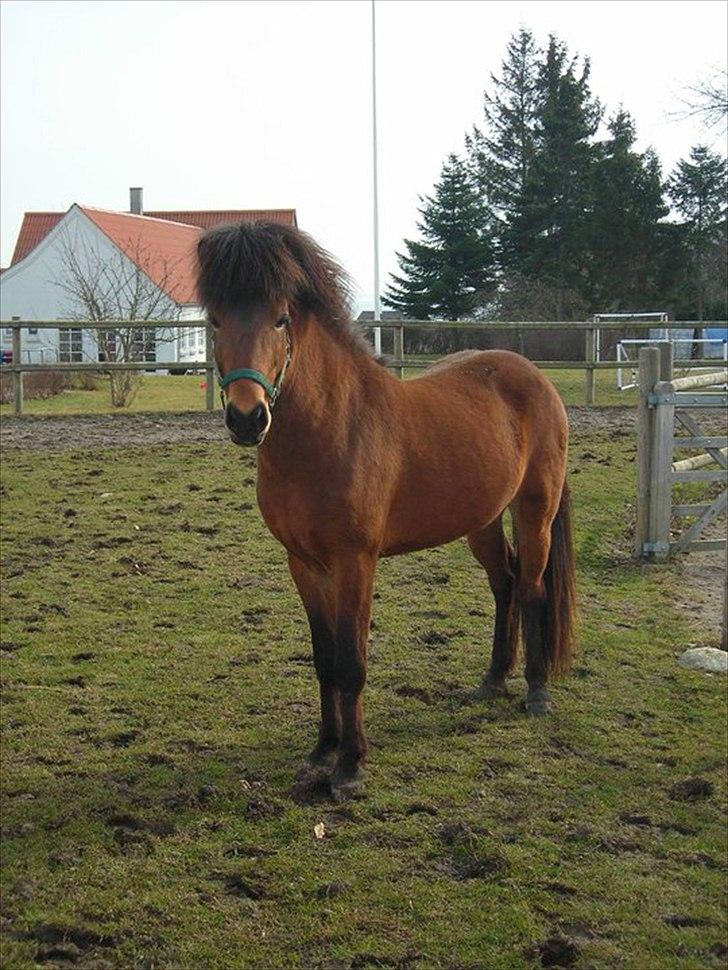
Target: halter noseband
(245, 373)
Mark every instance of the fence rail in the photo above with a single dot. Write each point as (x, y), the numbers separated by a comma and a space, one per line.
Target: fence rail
(590, 363)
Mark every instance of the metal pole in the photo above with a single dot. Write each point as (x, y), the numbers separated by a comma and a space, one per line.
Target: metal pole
(18, 376)
(649, 374)
(591, 356)
(377, 305)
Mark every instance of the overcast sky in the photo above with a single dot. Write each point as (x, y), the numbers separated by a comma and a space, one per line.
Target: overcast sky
(238, 105)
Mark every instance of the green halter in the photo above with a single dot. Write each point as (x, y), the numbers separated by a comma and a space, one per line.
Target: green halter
(245, 373)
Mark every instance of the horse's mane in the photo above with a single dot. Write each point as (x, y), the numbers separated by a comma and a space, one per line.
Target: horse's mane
(264, 262)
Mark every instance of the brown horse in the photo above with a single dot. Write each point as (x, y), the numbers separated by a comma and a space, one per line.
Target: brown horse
(354, 464)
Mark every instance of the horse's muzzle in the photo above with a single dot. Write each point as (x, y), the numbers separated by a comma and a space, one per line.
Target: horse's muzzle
(247, 429)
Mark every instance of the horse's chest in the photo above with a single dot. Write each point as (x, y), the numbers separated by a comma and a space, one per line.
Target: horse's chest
(312, 518)
(292, 517)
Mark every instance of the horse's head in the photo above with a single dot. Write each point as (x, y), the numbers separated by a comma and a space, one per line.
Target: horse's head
(258, 282)
(252, 352)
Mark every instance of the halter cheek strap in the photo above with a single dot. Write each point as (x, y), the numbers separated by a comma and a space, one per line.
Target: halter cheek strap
(245, 373)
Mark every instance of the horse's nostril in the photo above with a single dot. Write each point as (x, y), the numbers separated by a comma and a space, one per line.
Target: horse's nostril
(259, 417)
(233, 418)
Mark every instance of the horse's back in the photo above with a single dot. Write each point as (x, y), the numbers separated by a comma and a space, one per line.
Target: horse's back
(498, 374)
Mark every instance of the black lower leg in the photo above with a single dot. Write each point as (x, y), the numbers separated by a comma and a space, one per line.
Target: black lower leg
(350, 675)
(538, 701)
(503, 639)
(330, 726)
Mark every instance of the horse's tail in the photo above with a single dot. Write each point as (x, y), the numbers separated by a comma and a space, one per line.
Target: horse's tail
(560, 582)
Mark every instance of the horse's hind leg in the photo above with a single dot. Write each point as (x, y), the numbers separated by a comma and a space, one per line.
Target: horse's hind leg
(533, 517)
(493, 551)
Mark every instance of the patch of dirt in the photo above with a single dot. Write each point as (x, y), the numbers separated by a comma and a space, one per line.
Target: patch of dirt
(558, 951)
(66, 945)
(333, 889)
(238, 885)
(691, 790)
(419, 693)
(695, 584)
(51, 433)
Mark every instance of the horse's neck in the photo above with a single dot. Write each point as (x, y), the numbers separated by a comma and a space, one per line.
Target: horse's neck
(331, 385)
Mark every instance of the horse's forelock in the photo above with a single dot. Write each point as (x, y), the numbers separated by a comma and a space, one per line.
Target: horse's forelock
(245, 262)
(266, 262)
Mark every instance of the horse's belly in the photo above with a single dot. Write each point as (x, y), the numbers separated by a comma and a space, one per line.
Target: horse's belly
(448, 510)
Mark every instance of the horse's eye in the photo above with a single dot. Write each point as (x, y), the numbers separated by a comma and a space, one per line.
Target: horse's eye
(282, 321)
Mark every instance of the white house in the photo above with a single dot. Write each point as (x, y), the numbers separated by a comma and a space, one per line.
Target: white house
(65, 262)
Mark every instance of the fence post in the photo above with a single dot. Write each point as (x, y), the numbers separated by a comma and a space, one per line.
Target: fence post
(209, 370)
(398, 348)
(17, 376)
(649, 374)
(590, 357)
(660, 467)
(666, 357)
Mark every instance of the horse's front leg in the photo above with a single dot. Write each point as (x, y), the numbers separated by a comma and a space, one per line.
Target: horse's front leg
(353, 581)
(312, 585)
(338, 603)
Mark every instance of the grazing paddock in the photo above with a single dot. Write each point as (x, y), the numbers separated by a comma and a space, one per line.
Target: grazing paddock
(150, 817)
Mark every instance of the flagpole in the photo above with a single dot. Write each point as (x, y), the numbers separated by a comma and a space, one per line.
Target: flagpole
(377, 305)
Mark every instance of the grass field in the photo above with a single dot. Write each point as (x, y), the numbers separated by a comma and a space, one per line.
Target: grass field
(162, 393)
(159, 697)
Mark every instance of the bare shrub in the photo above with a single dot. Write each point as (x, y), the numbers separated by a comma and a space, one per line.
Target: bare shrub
(86, 381)
(37, 386)
(44, 384)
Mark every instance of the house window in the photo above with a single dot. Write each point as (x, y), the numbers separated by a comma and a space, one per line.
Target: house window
(8, 331)
(107, 345)
(200, 338)
(144, 345)
(70, 345)
(33, 331)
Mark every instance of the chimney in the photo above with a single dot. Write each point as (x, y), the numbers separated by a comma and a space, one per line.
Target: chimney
(135, 202)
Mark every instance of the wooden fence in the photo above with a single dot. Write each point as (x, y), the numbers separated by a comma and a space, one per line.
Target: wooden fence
(664, 408)
(401, 360)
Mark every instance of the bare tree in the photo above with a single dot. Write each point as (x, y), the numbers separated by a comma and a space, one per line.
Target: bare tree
(707, 101)
(118, 288)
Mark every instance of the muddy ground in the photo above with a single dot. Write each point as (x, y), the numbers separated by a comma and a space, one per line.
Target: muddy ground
(37, 433)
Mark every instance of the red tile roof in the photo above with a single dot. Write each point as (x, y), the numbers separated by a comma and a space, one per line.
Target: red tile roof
(35, 227)
(164, 250)
(206, 219)
(166, 240)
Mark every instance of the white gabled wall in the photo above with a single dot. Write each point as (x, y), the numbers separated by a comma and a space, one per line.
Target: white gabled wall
(29, 290)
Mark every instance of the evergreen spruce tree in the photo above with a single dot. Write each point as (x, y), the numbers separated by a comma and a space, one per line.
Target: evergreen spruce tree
(698, 191)
(500, 155)
(449, 274)
(546, 237)
(624, 227)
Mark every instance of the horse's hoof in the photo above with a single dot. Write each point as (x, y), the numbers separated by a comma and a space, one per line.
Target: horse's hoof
(490, 690)
(344, 787)
(321, 760)
(538, 704)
